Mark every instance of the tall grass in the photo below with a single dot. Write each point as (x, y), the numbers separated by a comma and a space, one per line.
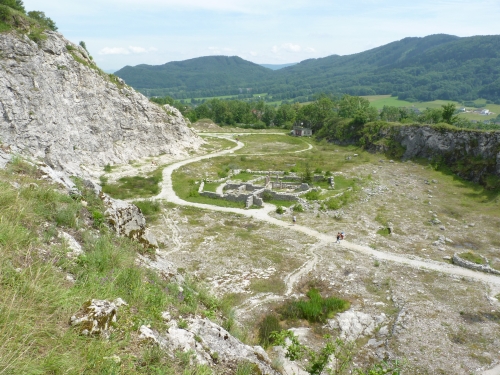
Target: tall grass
(315, 309)
(36, 300)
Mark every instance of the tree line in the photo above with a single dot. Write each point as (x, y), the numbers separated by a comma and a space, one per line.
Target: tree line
(320, 115)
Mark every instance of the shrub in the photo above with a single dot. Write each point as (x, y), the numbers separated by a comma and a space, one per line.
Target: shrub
(267, 326)
(280, 210)
(316, 309)
(298, 208)
(107, 168)
(312, 195)
(267, 196)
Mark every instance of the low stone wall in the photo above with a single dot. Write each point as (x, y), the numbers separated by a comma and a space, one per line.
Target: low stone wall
(210, 194)
(202, 186)
(281, 196)
(473, 266)
(247, 187)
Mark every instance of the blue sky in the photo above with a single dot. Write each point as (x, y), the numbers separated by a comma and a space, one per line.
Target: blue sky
(132, 32)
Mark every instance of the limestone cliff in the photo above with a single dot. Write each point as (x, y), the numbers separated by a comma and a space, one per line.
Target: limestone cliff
(57, 106)
(472, 154)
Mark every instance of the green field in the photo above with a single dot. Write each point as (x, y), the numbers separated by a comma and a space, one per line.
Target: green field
(379, 101)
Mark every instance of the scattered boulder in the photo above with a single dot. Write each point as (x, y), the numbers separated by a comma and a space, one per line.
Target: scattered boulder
(73, 245)
(96, 317)
(127, 220)
(355, 324)
(210, 342)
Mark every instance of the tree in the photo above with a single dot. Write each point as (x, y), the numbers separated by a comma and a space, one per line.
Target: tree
(14, 4)
(390, 113)
(357, 108)
(43, 20)
(431, 116)
(84, 46)
(448, 113)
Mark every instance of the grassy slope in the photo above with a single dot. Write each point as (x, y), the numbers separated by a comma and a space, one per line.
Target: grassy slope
(37, 301)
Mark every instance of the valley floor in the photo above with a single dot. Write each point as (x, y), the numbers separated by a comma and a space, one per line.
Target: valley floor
(440, 318)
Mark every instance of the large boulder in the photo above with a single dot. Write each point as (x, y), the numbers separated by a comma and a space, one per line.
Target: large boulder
(127, 220)
(210, 344)
(96, 317)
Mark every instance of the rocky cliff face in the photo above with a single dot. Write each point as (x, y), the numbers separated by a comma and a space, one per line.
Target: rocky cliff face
(471, 154)
(56, 106)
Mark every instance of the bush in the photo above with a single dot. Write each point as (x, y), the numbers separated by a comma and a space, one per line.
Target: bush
(280, 210)
(269, 325)
(298, 208)
(312, 195)
(316, 309)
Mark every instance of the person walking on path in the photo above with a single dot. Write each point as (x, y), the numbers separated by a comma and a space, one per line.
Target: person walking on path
(294, 219)
(338, 237)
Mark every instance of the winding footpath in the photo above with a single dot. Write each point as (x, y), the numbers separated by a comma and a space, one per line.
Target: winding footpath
(167, 193)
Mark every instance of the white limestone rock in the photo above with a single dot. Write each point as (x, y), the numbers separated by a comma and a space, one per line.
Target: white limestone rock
(127, 220)
(95, 317)
(356, 324)
(70, 115)
(210, 343)
(73, 245)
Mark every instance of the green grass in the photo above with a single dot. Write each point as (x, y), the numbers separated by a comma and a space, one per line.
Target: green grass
(37, 301)
(211, 186)
(271, 144)
(268, 325)
(472, 257)
(244, 176)
(150, 208)
(315, 309)
(135, 186)
(281, 203)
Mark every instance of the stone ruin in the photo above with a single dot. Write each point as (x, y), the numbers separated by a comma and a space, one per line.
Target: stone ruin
(273, 184)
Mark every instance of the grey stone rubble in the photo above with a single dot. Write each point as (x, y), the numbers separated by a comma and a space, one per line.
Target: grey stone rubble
(96, 317)
(73, 245)
(473, 266)
(210, 343)
(355, 324)
(70, 115)
(126, 219)
(5, 158)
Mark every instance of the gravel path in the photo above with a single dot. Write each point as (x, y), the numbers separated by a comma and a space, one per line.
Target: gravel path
(168, 194)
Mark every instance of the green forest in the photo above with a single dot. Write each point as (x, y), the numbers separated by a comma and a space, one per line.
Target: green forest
(321, 115)
(439, 66)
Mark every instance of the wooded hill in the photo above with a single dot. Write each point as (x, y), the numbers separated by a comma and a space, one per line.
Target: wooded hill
(434, 67)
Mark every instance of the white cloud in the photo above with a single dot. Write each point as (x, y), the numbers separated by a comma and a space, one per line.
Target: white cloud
(290, 47)
(125, 51)
(114, 51)
(134, 49)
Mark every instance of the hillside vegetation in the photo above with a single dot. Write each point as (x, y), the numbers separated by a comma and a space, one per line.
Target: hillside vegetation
(434, 67)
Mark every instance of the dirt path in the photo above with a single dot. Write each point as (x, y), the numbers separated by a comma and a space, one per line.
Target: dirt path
(168, 194)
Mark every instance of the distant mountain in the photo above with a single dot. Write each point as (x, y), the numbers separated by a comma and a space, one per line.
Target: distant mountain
(277, 66)
(215, 75)
(434, 67)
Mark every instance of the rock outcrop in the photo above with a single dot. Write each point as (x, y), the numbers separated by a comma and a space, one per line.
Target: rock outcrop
(472, 154)
(96, 317)
(56, 106)
(210, 344)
